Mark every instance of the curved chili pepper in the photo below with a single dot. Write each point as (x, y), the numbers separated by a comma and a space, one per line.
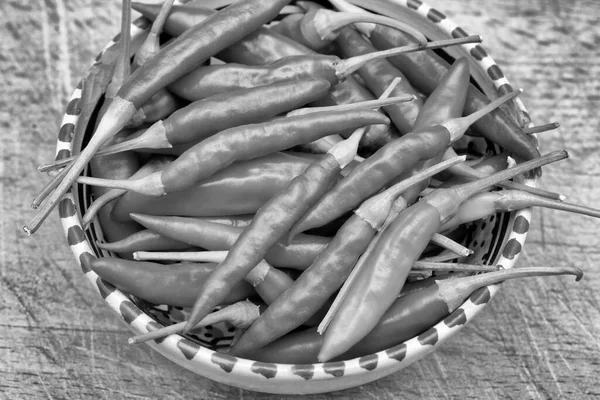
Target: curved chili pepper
(211, 236)
(390, 161)
(159, 107)
(487, 204)
(240, 189)
(175, 60)
(144, 240)
(147, 240)
(268, 282)
(380, 280)
(319, 27)
(408, 316)
(271, 223)
(243, 143)
(258, 48)
(425, 70)
(214, 79)
(174, 284)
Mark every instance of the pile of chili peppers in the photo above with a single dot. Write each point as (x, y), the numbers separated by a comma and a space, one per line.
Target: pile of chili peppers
(319, 198)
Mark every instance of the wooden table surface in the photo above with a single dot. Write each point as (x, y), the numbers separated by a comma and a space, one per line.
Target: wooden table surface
(538, 339)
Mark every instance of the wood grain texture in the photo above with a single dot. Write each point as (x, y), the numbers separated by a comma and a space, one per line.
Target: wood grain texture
(538, 339)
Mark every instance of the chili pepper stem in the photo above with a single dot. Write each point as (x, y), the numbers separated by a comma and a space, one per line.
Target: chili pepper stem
(459, 194)
(377, 103)
(257, 275)
(345, 151)
(151, 45)
(123, 66)
(194, 256)
(97, 205)
(468, 189)
(445, 266)
(291, 10)
(444, 256)
(117, 116)
(469, 172)
(154, 137)
(510, 200)
(241, 315)
(364, 27)
(455, 291)
(45, 192)
(381, 204)
(458, 126)
(347, 67)
(541, 128)
(150, 185)
(327, 22)
(451, 245)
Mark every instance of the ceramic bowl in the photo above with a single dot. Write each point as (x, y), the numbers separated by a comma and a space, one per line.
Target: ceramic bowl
(497, 240)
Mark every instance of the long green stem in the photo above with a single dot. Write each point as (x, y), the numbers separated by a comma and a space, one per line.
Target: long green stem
(347, 67)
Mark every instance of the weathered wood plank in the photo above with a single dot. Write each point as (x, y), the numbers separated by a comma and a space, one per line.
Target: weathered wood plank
(539, 338)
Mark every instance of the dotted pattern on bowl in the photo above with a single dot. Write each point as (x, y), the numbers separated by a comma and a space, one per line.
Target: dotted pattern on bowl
(287, 378)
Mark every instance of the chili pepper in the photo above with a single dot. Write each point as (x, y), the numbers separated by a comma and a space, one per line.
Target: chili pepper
(329, 270)
(155, 163)
(240, 315)
(445, 102)
(258, 48)
(241, 188)
(242, 143)
(382, 167)
(214, 79)
(204, 118)
(175, 60)
(147, 240)
(271, 223)
(425, 69)
(175, 284)
(159, 107)
(299, 254)
(382, 276)
(318, 28)
(409, 316)
(486, 204)
(144, 240)
(268, 282)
